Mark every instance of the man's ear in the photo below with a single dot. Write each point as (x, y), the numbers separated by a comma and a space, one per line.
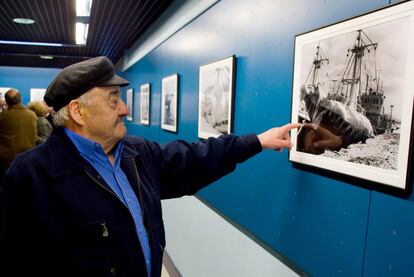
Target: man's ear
(76, 112)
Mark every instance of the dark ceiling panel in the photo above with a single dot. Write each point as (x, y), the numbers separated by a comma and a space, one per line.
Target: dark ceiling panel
(114, 25)
(54, 20)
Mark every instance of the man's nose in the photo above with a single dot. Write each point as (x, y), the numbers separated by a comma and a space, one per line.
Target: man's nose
(123, 109)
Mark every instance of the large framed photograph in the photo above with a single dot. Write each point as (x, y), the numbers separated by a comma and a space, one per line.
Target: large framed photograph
(130, 103)
(216, 89)
(353, 88)
(169, 101)
(145, 96)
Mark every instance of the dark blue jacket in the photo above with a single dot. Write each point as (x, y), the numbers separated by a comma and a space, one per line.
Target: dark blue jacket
(59, 218)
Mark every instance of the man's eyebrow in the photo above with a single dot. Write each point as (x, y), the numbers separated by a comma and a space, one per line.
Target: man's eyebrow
(115, 92)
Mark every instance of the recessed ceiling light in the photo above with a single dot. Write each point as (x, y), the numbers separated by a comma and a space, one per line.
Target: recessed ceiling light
(81, 33)
(45, 57)
(23, 20)
(83, 7)
(31, 43)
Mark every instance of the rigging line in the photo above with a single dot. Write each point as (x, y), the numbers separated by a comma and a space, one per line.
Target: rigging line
(310, 71)
(323, 55)
(367, 37)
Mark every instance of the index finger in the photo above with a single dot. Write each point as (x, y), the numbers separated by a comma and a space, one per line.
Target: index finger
(290, 126)
(311, 126)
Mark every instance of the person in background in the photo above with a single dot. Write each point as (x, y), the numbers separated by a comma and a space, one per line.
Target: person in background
(17, 129)
(87, 202)
(44, 128)
(49, 115)
(3, 105)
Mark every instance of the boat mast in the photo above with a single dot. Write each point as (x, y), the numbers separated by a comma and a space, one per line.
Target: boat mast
(316, 66)
(355, 62)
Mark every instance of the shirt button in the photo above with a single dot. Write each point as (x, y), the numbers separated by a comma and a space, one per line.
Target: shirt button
(105, 232)
(113, 271)
(128, 200)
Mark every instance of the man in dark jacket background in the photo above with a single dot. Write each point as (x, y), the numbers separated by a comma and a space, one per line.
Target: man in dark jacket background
(17, 129)
(87, 201)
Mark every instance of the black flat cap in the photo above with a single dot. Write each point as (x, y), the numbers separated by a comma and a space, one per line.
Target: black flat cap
(78, 78)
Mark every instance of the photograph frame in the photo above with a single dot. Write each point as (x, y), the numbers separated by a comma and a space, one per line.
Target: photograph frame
(216, 97)
(360, 126)
(130, 103)
(169, 103)
(145, 104)
(37, 94)
(3, 104)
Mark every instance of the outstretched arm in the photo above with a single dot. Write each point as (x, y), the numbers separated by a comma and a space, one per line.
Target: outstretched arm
(184, 168)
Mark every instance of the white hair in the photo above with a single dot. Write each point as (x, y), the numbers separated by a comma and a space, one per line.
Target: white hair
(62, 115)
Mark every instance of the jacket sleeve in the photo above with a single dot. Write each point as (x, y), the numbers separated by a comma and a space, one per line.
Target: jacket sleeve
(186, 167)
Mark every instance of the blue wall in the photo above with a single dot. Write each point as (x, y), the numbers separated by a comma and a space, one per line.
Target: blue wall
(328, 227)
(25, 78)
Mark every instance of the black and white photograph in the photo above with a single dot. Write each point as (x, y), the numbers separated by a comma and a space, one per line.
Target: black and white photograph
(145, 95)
(169, 105)
(3, 90)
(3, 105)
(216, 91)
(130, 103)
(353, 95)
(36, 94)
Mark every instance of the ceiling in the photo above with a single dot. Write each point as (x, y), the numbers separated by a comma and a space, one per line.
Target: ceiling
(114, 25)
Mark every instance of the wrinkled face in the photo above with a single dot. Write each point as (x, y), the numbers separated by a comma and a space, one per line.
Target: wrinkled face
(104, 113)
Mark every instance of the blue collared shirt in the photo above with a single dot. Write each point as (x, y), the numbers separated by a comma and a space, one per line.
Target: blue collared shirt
(117, 180)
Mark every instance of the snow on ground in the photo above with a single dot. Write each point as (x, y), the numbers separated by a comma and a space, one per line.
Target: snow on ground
(380, 151)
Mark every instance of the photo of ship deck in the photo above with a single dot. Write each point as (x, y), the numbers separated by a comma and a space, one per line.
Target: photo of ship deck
(350, 95)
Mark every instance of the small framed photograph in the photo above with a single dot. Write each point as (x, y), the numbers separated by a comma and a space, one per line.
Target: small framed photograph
(130, 103)
(145, 96)
(3, 91)
(37, 94)
(3, 105)
(216, 93)
(353, 89)
(169, 97)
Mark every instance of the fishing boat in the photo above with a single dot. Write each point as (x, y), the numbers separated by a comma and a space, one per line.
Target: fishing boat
(351, 107)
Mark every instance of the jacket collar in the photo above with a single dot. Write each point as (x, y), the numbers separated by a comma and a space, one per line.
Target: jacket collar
(65, 158)
(129, 152)
(17, 106)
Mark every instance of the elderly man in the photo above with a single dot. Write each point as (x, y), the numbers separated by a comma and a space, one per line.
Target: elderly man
(87, 201)
(17, 129)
